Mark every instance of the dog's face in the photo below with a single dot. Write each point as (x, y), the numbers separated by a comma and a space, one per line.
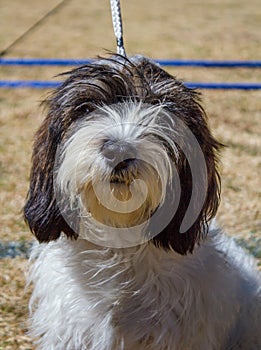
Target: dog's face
(124, 149)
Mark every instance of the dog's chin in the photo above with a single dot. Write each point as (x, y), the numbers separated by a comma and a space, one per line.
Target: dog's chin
(121, 202)
(121, 190)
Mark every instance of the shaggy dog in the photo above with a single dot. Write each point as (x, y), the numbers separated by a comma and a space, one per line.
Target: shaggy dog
(123, 191)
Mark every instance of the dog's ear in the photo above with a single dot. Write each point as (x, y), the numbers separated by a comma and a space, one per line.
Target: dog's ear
(184, 105)
(41, 211)
(206, 183)
(70, 102)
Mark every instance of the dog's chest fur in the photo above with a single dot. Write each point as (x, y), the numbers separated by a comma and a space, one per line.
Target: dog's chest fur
(137, 298)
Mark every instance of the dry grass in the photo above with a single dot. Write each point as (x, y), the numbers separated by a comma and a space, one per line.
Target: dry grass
(225, 29)
(13, 306)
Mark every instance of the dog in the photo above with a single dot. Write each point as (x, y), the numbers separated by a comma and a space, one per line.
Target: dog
(124, 189)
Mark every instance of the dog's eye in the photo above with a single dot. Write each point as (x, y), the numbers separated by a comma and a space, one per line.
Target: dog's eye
(83, 109)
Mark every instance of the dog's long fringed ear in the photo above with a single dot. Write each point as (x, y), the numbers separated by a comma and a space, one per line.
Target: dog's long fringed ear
(41, 211)
(190, 112)
(76, 97)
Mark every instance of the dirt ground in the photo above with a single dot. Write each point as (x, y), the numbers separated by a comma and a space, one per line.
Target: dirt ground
(188, 29)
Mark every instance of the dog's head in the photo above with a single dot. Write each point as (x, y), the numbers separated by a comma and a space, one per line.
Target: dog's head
(125, 146)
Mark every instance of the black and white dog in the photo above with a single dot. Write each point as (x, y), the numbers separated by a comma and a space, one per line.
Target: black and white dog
(124, 187)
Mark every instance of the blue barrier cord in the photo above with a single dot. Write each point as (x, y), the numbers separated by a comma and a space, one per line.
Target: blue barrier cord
(210, 64)
(42, 62)
(36, 84)
(13, 249)
(170, 63)
(224, 86)
(54, 84)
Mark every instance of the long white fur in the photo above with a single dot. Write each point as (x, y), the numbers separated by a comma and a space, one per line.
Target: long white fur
(145, 298)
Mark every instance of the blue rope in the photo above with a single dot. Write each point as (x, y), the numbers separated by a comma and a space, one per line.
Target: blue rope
(194, 85)
(169, 63)
(13, 249)
(224, 86)
(35, 84)
(76, 62)
(210, 64)
(42, 62)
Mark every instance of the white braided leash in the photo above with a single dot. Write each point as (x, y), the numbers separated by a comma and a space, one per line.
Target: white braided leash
(117, 26)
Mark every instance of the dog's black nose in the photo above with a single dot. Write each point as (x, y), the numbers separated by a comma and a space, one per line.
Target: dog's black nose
(119, 154)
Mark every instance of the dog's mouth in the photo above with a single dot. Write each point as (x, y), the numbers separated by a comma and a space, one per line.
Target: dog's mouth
(122, 180)
(118, 181)
(125, 172)
(125, 198)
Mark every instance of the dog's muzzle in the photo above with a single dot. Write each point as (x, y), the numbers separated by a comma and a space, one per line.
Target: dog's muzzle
(121, 156)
